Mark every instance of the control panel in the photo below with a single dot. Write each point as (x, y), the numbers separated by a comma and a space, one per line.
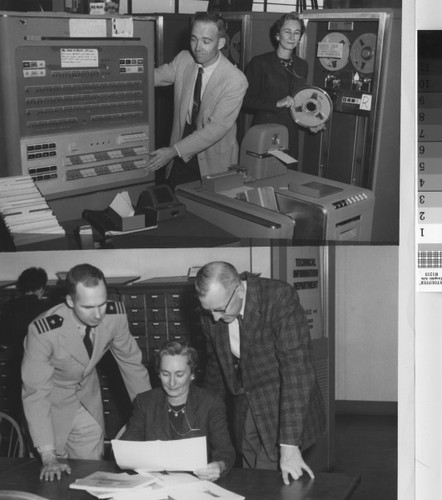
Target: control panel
(80, 109)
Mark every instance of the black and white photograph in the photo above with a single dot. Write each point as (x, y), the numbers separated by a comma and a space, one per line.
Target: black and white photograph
(207, 252)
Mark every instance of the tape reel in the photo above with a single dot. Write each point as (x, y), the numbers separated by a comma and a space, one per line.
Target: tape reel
(312, 107)
(362, 53)
(336, 63)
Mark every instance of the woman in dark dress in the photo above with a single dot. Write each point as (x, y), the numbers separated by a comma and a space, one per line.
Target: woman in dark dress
(180, 409)
(274, 78)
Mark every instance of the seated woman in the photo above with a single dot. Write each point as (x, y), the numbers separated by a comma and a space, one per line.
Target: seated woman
(180, 409)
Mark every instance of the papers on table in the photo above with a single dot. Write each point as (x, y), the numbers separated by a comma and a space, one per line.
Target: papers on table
(169, 486)
(108, 482)
(175, 455)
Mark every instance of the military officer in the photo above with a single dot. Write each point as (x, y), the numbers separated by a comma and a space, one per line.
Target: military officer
(61, 392)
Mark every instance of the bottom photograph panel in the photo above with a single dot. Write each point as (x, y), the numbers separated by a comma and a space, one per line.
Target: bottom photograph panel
(271, 371)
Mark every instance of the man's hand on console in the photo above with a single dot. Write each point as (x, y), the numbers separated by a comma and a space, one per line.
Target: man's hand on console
(160, 157)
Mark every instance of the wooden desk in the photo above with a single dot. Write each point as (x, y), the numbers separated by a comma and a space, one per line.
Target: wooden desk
(23, 475)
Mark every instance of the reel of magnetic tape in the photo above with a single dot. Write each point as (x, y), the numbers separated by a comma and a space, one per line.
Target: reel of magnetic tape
(312, 107)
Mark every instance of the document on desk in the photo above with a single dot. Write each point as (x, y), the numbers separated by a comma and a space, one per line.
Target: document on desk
(195, 490)
(175, 455)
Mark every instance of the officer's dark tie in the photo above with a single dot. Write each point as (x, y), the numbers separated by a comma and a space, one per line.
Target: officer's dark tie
(87, 341)
(197, 97)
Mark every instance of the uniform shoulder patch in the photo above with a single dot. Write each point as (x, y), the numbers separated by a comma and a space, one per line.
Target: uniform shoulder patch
(115, 307)
(48, 323)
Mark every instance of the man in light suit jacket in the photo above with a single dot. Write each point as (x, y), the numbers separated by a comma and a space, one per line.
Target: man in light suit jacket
(259, 350)
(209, 144)
(61, 391)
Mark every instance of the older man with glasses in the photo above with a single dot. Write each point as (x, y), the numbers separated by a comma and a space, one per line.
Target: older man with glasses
(259, 350)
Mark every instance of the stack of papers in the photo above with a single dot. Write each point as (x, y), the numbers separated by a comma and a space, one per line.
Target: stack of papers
(25, 212)
(177, 487)
(108, 484)
(122, 204)
(161, 460)
(152, 486)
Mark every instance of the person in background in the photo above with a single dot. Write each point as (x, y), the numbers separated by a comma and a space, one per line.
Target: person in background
(275, 77)
(180, 409)
(15, 317)
(259, 350)
(203, 139)
(61, 391)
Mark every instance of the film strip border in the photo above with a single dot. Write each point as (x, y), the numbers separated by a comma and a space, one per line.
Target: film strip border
(429, 258)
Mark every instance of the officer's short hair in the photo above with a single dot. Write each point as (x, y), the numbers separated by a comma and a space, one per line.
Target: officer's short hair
(86, 274)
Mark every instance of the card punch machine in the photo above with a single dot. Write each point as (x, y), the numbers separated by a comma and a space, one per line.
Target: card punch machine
(261, 198)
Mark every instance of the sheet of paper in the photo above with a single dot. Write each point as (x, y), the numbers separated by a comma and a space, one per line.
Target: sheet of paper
(122, 204)
(203, 490)
(175, 455)
(284, 157)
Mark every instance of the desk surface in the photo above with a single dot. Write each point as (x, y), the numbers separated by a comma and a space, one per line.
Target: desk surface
(22, 474)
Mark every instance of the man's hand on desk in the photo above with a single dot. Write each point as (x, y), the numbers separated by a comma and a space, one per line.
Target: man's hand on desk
(292, 464)
(160, 157)
(51, 468)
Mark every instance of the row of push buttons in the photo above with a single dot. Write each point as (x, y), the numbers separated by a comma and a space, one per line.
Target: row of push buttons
(350, 200)
(105, 169)
(105, 155)
(131, 61)
(80, 87)
(43, 173)
(98, 96)
(37, 151)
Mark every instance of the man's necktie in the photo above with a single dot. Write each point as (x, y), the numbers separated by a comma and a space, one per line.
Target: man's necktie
(235, 343)
(197, 96)
(87, 341)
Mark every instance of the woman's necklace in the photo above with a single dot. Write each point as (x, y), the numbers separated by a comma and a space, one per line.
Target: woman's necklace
(180, 411)
(289, 66)
(180, 418)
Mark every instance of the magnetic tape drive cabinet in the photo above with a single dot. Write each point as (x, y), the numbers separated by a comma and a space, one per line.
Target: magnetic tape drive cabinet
(77, 106)
(354, 56)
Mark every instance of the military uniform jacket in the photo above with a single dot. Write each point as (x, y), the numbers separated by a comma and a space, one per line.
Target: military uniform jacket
(278, 375)
(58, 375)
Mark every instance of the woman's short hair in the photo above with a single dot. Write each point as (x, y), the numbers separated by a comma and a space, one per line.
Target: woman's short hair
(32, 279)
(278, 24)
(177, 348)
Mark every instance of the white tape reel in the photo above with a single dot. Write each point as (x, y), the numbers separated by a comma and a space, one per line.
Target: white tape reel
(312, 107)
(362, 53)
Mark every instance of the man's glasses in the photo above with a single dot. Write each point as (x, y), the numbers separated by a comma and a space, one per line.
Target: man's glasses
(223, 310)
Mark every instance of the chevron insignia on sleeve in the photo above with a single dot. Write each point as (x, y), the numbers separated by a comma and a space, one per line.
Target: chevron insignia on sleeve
(48, 323)
(115, 307)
